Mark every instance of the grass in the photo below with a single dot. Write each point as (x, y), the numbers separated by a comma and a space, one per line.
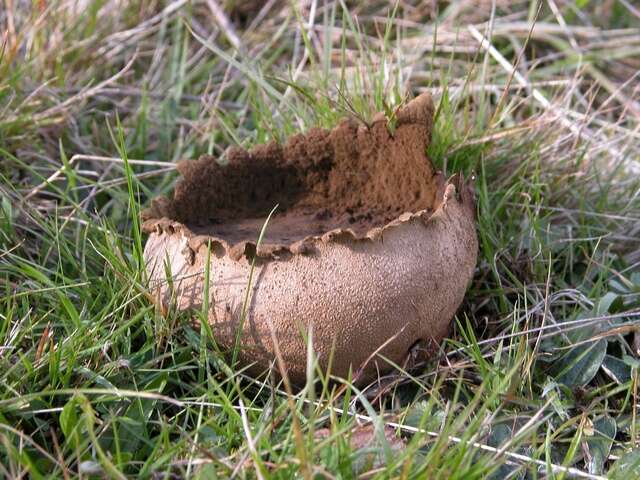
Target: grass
(539, 378)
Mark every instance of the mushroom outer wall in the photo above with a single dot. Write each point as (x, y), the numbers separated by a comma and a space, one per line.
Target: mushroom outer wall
(365, 299)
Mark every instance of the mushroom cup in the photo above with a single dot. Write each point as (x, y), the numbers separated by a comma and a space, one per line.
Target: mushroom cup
(365, 258)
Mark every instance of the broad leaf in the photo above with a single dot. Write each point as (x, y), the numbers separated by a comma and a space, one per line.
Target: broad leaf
(500, 435)
(626, 467)
(579, 365)
(599, 444)
(616, 369)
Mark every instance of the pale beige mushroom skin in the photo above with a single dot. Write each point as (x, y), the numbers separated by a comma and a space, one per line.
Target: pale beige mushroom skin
(378, 293)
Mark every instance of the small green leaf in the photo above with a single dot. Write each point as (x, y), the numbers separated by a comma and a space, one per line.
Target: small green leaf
(69, 418)
(499, 436)
(423, 415)
(6, 215)
(618, 370)
(558, 402)
(579, 365)
(609, 303)
(599, 444)
(206, 472)
(626, 467)
(582, 3)
(632, 362)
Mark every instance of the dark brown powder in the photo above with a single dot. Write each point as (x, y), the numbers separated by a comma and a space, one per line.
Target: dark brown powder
(352, 177)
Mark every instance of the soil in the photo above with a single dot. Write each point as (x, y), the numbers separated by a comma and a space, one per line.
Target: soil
(356, 177)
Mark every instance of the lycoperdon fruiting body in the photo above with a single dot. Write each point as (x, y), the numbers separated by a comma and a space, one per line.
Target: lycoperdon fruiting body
(369, 245)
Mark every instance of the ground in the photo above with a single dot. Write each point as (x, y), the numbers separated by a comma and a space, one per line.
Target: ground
(539, 102)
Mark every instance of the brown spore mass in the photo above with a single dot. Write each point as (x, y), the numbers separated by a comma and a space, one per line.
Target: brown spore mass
(355, 177)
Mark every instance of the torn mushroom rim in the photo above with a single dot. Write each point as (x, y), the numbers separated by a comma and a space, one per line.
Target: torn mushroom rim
(454, 189)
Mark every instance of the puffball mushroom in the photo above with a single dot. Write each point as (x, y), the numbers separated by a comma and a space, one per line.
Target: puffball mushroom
(369, 246)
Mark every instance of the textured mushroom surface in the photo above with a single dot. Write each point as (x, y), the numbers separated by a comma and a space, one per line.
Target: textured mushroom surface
(369, 245)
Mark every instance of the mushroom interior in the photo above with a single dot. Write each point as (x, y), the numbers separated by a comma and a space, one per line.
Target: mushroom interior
(352, 177)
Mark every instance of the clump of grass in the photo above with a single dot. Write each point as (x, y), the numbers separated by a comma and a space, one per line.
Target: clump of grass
(539, 377)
